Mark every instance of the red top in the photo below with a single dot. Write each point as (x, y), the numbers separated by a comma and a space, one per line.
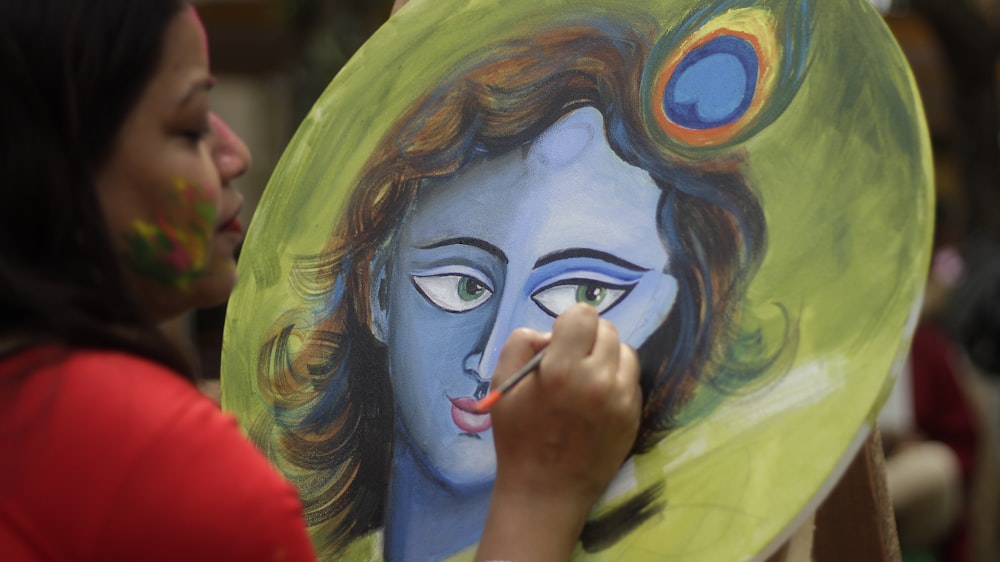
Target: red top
(942, 409)
(943, 413)
(106, 456)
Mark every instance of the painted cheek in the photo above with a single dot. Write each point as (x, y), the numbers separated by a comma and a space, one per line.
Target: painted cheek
(174, 247)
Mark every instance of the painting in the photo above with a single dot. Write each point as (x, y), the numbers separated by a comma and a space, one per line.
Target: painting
(741, 186)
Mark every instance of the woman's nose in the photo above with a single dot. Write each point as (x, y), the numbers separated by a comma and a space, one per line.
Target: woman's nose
(231, 155)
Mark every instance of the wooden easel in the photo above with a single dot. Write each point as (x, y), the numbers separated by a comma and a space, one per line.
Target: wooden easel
(856, 522)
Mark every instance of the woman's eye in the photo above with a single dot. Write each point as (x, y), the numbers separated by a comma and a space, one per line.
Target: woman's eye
(453, 293)
(555, 299)
(195, 135)
(194, 130)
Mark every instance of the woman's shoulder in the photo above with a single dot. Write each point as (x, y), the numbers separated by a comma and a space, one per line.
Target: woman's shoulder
(108, 366)
(100, 412)
(98, 367)
(119, 407)
(143, 441)
(93, 389)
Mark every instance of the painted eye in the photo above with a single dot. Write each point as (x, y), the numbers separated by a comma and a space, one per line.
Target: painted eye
(555, 299)
(453, 292)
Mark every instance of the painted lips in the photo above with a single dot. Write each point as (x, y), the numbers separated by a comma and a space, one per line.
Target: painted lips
(465, 418)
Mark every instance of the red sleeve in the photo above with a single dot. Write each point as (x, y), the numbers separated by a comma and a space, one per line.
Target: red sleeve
(116, 458)
(202, 492)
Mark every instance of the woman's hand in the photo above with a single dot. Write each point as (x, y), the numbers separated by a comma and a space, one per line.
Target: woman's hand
(560, 435)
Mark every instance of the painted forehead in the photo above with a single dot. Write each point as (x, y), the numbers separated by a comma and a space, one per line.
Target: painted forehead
(574, 148)
(579, 139)
(573, 152)
(518, 202)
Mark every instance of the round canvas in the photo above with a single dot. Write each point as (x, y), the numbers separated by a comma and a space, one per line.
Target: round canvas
(742, 186)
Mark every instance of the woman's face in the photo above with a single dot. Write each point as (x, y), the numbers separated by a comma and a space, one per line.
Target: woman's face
(509, 243)
(166, 190)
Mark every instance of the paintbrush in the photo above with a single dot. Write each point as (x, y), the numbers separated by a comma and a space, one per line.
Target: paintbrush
(487, 402)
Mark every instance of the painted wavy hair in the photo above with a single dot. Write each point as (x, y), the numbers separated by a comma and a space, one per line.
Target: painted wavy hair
(324, 375)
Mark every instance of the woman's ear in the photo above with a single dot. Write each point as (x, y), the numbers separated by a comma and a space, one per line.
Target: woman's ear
(378, 297)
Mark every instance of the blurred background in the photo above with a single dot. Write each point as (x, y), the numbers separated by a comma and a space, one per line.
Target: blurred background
(273, 58)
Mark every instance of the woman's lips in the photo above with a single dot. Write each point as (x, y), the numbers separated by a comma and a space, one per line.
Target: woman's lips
(465, 418)
(233, 225)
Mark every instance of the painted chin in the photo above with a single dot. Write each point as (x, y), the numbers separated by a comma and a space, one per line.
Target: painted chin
(466, 419)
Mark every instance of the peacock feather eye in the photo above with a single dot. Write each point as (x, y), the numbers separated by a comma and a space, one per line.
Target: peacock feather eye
(713, 85)
(716, 81)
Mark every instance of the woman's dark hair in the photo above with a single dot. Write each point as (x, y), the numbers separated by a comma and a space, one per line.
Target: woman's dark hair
(73, 71)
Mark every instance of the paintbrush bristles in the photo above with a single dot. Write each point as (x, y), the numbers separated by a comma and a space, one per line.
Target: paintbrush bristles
(487, 402)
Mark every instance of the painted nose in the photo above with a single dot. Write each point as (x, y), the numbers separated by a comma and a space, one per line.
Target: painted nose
(482, 380)
(483, 361)
(471, 366)
(231, 155)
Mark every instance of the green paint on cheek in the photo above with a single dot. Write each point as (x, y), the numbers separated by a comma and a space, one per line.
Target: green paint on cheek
(173, 249)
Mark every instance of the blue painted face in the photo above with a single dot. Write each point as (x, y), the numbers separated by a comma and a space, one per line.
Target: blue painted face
(513, 242)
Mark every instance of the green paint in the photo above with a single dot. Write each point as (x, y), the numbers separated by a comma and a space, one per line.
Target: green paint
(173, 249)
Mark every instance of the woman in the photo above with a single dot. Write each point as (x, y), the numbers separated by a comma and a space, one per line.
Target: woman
(452, 237)
(121, 178)
(120, 213)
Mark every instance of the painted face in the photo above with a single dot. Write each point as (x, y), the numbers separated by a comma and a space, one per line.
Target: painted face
(166, 190)
(508, 243)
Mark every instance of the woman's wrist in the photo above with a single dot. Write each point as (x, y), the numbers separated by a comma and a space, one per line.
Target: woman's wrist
(526, 526)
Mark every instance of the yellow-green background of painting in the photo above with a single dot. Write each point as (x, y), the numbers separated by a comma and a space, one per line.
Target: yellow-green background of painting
(845, 178)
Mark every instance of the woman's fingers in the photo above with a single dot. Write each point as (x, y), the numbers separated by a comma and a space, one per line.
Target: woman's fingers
(562, 434)
(573, 336)
(578, 413)
(520, 347)
(627, 377)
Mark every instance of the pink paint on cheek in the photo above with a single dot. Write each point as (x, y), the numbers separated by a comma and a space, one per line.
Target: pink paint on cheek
(178, 259)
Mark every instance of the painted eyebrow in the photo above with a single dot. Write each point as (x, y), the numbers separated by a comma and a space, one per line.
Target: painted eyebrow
(474, 242)
(198, 87)
(571, 253)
